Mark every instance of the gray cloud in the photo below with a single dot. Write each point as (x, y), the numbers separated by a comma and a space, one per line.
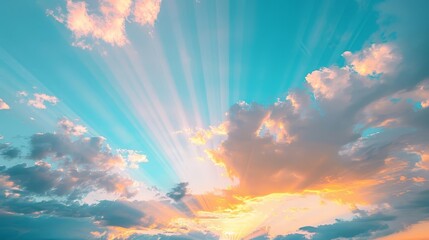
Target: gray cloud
(69, 167)
(361, 227)
(44, 227)
(178, 192)
(87, 152)
(9, 152)
(117, 213)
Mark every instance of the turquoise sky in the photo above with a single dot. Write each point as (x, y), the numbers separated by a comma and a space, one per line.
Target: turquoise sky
(207, 54)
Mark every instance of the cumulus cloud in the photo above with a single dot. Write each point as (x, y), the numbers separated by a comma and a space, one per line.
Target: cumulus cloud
(146, 11)
(377, 59)
(40, 99)
(303, 143)
(133, 157)
(108, 26)
(3, 105)
(356, 135)
(70, 168)
(70, 128)
(86, 152)
(108, 23)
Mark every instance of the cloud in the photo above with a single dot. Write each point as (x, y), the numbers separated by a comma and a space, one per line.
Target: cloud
(200, 136)
(40, 99)
(133, 157)
(305, 143)
(355, 135)
(293, 236)
(361, 227)
(178, 192)
(108, 26)
(78, 167)
(377, 59)
(42, 227)
(117, 213)
(108, 23)
(37, 179)
(88, 152)
(146, 11)
(9, 152)
(328, 81)
(3, 105)
(69, 128)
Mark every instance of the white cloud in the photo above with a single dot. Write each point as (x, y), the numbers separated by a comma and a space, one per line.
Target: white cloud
(70, 128)
(133, 157)
(40, 99)
(327, 82)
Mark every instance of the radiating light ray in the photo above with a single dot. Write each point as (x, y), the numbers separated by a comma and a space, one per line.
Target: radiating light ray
(149, 108)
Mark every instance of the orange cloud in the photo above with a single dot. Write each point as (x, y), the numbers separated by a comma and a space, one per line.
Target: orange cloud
(3, 105)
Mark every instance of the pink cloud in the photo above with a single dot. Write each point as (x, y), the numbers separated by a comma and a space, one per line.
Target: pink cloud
(379, 58)
(3, 105)
(70, 128)
(108, 26)
(108, 23)
(146, 11)
(40, 99)
(327, 82)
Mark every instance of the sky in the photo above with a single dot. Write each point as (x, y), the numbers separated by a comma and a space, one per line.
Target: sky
(203, 119)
